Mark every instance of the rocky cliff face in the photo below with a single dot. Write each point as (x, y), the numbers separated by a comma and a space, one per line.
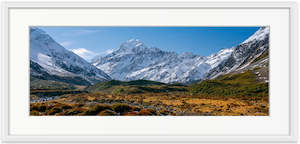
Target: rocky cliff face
(250, 54)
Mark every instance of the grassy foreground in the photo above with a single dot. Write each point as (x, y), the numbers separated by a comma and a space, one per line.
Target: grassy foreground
(229, 95)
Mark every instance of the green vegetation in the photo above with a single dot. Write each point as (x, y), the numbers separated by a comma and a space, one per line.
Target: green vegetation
(230, 94)
(134, 87)
(238, 85)
(263, 55)
(48, 84)
(109, 84)
(55, 108)
(48, 93)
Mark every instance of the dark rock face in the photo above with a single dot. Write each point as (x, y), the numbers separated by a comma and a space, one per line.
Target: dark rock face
(243, 55)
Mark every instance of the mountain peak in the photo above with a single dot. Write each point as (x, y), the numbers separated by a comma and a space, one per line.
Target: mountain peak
(132, 43)
(134, 60)
(36, 33)
(132, 40)
(246, 56)
(260, 34)
(36, 29)
(135, 46)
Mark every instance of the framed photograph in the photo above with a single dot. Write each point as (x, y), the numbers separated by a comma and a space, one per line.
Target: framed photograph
(149, 72)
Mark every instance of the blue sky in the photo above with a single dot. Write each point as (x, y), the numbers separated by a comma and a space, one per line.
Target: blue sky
(90, 41)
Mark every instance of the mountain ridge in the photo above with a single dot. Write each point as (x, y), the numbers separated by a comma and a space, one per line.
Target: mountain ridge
(134, 60)
(51, 61)
(245, 54)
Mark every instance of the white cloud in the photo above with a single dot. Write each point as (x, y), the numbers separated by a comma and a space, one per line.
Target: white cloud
(66, 43)
(84, 53)
(89, 55)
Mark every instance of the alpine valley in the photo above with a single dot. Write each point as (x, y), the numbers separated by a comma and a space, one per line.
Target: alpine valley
(135, 79)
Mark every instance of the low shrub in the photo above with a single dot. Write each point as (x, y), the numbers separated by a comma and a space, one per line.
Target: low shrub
(107, 112)
(34, 113)
(164, 112)
(74, 111)
(54, 110)
(121, 108)
(38, 107)
(135, 108)
(34, 107)
(43, 108)
(66, 107)
(147, 112)
(97, 108)
(131, 113)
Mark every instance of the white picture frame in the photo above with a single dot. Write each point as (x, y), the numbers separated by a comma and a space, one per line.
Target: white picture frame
(293, 77)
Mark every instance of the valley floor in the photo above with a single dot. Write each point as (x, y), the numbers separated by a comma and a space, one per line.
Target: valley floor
(240, 94)
(179, 104)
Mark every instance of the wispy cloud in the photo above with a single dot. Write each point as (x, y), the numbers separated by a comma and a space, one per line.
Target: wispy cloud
(80, 32)
(89, 55)
(84, 53)
(66, 43)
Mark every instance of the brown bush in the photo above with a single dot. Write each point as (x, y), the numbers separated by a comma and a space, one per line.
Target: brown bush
(97, 108)
(107, 112)
(34, 112)
(58, 105)
(121, 108)
(134, 108)
(131, 113)
(164, 112)
(54, 110)
(66, 107)
(74, 111)
(34, 107)
(41, 107)
(147, 112)
(80, 105)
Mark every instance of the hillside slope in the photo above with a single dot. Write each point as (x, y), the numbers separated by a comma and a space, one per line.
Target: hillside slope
(252, 54)
(51, 61)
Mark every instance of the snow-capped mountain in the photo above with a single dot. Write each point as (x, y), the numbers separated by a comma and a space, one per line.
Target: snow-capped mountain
(134, 60)
(51, 61)
(249, 54)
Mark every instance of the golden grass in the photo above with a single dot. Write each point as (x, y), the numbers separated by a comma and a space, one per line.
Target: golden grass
(159, 103)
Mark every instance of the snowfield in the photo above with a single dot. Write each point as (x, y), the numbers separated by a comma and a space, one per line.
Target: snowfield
(134, 60)
(56, 60)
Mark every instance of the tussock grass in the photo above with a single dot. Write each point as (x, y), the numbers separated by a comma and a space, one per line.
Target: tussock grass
(228, 95)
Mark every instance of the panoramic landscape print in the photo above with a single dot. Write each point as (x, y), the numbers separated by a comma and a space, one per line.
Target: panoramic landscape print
(149, 71)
